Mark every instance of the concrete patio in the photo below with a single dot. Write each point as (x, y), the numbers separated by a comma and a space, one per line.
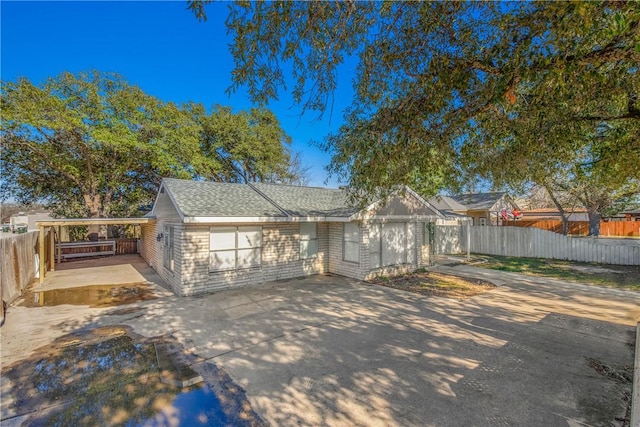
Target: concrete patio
(326, 350)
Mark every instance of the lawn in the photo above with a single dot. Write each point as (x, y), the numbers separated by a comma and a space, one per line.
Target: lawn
(615, 276)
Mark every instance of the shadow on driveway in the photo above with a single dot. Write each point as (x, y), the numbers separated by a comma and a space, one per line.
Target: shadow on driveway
(330, 351)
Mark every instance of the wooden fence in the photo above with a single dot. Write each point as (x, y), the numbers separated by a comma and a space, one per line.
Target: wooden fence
(18, 264)
(581, 228)
(538, 243)
(126, 246)
(122, 247)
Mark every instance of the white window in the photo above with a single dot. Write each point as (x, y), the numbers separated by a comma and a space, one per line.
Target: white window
(375, 246)
(168, 247)
(234, 247)
(308, 240)
(351, 242)
(483, 221)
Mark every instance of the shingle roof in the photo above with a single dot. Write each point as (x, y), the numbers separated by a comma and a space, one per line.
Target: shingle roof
(308, 201)
(479, 201)
(445, 203)
(215, 199)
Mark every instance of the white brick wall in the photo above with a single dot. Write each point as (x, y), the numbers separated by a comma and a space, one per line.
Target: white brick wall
(280, 259)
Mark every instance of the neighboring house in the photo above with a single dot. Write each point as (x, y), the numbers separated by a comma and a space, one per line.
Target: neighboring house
(453, 211)
(487, 208)
(546, 214)
(209, 236)
(28, 219)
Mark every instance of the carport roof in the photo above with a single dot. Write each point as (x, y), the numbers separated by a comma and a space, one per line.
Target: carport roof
(54, 222)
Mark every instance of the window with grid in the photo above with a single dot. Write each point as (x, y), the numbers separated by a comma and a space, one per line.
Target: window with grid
(235, 248)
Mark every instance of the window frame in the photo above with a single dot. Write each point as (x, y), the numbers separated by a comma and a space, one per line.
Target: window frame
(377, 253)
(310, 240)
(168, 260)
(345, 242)
(237, 247)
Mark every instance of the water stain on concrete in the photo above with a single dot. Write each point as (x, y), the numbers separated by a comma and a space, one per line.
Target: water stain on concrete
(93, 296)
(108, 376)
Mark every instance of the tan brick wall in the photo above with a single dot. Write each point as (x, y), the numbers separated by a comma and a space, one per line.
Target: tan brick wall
(337, 265)
(280, 259)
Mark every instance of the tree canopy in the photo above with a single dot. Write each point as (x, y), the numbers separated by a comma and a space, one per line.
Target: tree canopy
(449, 92)
(93, 145)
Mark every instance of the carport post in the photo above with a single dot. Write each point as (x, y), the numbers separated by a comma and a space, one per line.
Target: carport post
(41, 255)
(52, 249)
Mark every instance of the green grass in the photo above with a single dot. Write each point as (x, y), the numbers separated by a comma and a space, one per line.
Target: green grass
(615, 276)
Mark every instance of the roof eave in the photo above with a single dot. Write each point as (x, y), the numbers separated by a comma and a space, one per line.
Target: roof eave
(259, 219)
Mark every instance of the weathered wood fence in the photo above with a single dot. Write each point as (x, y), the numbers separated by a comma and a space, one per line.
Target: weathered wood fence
(122, 247)
(581, 228)
(537, 243)
(18, 264)
(126, 246)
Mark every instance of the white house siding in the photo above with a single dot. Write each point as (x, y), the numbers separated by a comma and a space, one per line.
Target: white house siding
(280, 259)
(152, 250)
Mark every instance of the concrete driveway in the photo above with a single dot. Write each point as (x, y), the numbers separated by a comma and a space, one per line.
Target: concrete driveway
(330, 351)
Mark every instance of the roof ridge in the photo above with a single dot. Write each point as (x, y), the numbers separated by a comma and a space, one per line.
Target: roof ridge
(275, 184)
(268, 199)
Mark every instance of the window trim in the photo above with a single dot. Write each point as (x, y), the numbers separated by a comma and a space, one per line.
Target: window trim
(300, 240)
(168, 260)
(344, 242)
(235, 249)
(379, 251)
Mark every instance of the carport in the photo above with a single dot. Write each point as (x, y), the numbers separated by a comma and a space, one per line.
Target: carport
(47, 236)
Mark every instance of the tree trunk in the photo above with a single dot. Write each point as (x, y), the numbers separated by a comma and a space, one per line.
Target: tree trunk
(563, 213)
(594, 222)
(94, 205)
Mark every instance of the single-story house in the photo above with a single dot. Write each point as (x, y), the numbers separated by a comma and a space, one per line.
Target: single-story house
(208, 236)
(545, 214)
(488, 208)
(454, 212)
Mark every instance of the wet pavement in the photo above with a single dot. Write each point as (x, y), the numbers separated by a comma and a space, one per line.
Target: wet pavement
(105, 376)
(92, 296)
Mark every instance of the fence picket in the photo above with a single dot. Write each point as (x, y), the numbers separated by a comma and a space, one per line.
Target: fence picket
(534, 243)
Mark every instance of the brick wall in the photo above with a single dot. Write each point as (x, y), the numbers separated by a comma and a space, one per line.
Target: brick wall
(280, 259)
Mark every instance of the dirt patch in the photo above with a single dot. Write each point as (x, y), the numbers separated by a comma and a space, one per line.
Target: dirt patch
(436, 284)
(109, 376)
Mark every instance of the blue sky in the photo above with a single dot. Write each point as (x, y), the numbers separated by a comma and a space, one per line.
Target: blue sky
(158, 46)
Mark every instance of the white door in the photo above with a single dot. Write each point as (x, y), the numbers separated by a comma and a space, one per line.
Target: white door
(394, 243)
